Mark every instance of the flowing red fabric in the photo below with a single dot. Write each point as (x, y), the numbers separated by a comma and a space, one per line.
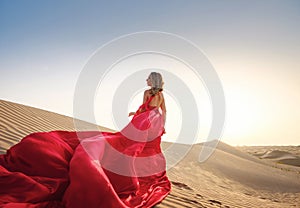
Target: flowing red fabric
(88, 168)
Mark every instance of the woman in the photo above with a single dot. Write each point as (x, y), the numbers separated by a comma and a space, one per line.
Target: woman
(91, 168)
(155, 81)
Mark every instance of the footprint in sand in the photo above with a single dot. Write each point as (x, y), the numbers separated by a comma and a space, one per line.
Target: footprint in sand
(199, 196)
(212, 201)
(181, 185)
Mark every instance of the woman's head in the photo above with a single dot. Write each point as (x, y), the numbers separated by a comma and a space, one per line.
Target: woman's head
(155, 81)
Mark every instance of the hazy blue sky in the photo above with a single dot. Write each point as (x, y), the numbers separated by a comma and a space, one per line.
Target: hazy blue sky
(253, 45)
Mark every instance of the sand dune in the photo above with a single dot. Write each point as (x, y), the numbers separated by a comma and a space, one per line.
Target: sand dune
(229, 178)
(282, 157)
(16, 121)
(277, 154)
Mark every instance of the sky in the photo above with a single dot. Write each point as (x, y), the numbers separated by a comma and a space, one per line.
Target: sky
(254, 47)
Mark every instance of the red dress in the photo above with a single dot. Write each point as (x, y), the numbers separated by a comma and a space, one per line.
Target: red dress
(88, 169)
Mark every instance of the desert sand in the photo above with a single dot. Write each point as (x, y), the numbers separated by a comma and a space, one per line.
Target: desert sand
(242, 177)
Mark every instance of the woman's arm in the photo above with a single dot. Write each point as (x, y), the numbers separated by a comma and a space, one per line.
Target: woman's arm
(163, 109)
(146, 95)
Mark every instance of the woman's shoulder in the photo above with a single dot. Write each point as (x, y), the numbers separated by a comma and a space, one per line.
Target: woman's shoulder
(148, 93)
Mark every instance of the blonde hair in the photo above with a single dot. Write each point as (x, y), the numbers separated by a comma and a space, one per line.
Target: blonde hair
(157, 83)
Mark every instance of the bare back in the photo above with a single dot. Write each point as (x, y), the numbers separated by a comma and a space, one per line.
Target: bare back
(157, 101)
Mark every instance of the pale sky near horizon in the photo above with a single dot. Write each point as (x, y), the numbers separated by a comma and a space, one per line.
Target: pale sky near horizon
(254, 47)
